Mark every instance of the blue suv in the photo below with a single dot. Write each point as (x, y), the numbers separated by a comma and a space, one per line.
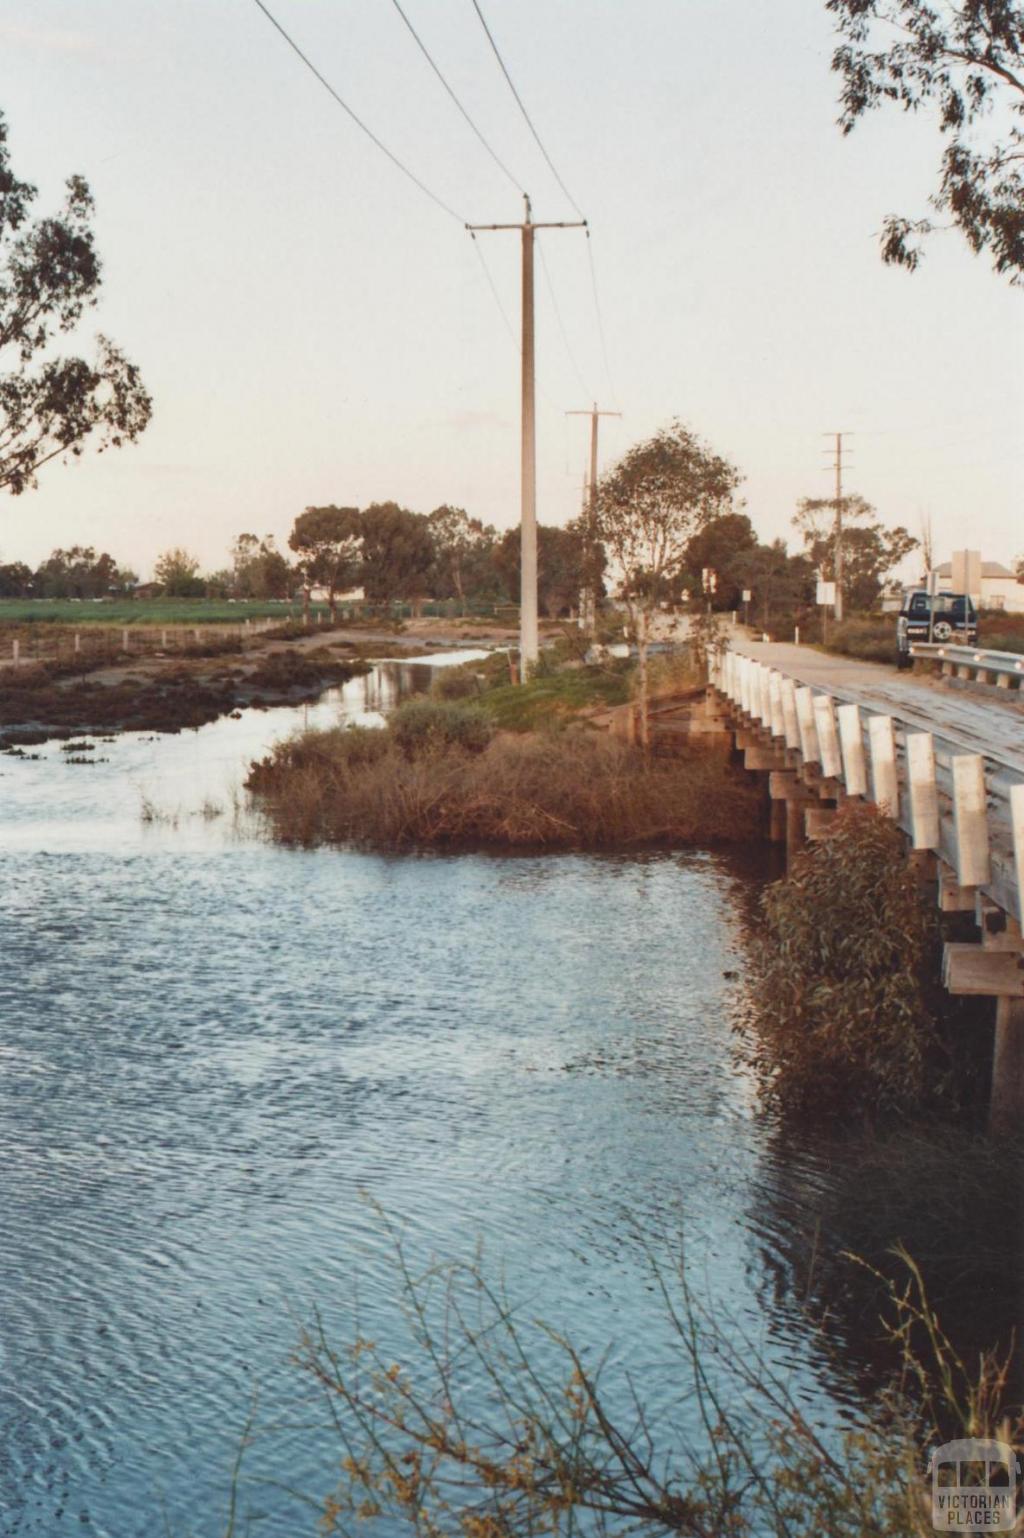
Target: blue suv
(952, 617)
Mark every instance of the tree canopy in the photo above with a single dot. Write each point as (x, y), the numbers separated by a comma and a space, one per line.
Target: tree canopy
(560, 570)
(722, 545)
(258, 569)
(963, 59)
(870, 550)
(77, 572)
(51, 405)
(649, 507)
(328, 543)
(463, 547)
(178, 574)
(398, 552)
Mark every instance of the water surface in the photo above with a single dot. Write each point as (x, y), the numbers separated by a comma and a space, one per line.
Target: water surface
(218, 1056)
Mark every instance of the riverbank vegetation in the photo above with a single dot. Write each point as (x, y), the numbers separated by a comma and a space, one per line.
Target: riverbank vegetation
(39, 702)
(439, 776)
(848, 1012)
(492, 1424)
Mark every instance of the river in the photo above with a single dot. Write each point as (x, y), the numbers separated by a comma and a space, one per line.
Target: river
(221, 1060)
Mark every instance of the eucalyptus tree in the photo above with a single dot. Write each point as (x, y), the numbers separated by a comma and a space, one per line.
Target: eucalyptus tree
(328, 542)
(962, 60)
(649, 507)
(52, 404)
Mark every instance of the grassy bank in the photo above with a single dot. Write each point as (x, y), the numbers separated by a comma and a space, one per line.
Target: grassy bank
(439, 777)
(556, 699)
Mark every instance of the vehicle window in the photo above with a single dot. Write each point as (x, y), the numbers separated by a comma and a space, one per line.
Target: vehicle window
(919, 603)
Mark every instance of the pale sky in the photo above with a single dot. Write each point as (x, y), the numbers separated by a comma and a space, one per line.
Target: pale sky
(313, 329)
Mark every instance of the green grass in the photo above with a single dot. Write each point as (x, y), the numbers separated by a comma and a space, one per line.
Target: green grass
(140, 611)
(554, 700)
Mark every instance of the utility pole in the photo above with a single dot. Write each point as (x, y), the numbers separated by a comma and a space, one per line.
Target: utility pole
(591, 586)
(529, 649)
(837, 561)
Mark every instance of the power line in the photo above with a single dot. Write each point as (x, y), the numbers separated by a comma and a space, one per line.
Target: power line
(293, 45)
(526, 115)
(558, 317)
(494, 290)
(426, 54)
(600, 317)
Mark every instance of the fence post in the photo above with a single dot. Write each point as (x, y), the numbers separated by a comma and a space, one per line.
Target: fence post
(16, 652)
(124, 639)
(163, 640)
(196, 634)
(78, 642)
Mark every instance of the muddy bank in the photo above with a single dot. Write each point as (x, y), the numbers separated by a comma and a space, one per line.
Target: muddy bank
(41, 703)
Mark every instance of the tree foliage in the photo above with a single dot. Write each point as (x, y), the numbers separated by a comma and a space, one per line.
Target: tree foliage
(963, 59)
(870, 551)
(778, 581)
(463, 547)
(398, 552)
(560, 570)
(649, 507)
(51, 405)
(328, 543)
(77, 572)
(178, 574)
(723, 546)
(258, 569)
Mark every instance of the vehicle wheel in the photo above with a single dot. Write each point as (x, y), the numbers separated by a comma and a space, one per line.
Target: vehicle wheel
(942, 631)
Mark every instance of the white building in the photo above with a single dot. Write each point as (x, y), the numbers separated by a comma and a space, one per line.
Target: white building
(999, 587)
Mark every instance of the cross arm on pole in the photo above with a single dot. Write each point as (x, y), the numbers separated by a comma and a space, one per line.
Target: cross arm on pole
(577, 224)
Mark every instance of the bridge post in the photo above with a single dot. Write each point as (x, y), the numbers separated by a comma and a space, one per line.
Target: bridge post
(1006, 1105)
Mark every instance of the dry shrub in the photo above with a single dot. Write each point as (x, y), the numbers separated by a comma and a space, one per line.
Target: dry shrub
(459, 683)
(573, 790)
(841, 992)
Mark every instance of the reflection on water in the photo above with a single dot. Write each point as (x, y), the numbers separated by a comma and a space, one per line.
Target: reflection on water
(214, 1050)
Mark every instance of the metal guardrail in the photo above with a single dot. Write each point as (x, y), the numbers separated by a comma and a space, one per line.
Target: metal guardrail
(974, 662)
(966, 807)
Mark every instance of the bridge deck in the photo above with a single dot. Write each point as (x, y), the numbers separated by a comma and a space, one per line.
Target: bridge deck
(990, 725)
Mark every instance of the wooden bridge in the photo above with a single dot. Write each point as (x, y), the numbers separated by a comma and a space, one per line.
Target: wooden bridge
(943, 758)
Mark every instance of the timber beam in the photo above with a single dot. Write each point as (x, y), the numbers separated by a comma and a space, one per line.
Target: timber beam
(971, 971)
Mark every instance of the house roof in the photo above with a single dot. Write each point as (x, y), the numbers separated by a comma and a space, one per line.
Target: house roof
(988, 569)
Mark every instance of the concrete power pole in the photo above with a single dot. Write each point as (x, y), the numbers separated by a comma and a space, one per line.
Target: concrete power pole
(590, 618)
(529, 648)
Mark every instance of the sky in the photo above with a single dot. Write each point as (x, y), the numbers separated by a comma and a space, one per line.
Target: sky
(313, 328)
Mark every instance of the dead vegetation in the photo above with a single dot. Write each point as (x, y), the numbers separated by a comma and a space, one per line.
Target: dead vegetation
(445, 781)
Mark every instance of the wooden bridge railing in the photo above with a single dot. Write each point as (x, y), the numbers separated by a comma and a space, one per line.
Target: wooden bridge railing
(967, 808)
(962, 813)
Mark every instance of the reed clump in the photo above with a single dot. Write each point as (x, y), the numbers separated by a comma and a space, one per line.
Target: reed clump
(438, 776)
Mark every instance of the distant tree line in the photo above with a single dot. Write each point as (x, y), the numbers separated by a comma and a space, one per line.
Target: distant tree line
(396, 555)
